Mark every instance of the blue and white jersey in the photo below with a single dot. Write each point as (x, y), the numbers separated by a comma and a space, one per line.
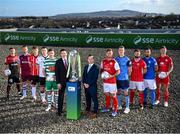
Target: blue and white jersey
(151, 63)
(124, 63)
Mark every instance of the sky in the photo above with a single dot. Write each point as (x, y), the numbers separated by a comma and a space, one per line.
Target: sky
(54, 7)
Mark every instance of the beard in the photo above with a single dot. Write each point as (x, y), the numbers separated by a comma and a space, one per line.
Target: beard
(137, 57)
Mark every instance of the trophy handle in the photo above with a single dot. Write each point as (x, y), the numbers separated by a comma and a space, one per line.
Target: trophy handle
(68, 71)
(79, 65)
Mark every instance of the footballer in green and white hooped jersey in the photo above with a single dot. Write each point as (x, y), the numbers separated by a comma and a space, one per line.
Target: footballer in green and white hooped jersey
(49, 68)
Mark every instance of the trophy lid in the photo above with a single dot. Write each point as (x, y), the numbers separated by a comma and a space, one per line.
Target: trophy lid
(73, 52)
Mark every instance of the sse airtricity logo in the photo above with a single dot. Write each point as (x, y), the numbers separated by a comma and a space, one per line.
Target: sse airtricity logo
(89, 39)
(7, 37)
(137, 40)
(46, 38)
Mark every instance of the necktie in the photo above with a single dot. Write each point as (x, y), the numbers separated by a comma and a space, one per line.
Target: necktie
(89, 67)
(65, 64)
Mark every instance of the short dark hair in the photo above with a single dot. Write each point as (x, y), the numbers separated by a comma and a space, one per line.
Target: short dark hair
(121, 47)
(163, 47)
(24, 46)
(90, 55)
(43, 47)
(11, 48)
(62, 50)
(148, 48)
(137, 50)
(34, 47)
(49, 50)
(109, 49)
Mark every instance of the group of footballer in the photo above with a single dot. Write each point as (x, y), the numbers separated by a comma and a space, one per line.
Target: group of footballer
(126, 76)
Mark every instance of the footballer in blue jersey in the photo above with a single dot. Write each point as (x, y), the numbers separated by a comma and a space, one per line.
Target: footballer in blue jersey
(123, 78)
(149, 76)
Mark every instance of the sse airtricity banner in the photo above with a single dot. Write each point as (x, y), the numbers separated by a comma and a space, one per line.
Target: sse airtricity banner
(172, 41)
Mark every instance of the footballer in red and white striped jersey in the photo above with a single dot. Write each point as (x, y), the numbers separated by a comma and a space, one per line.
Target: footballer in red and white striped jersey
(34, 66)
(34, 71)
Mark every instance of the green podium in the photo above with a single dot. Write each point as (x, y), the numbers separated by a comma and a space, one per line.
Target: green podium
(73, 100)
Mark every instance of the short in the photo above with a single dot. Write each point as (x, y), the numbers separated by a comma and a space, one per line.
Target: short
(26, 78)
(42, 81)
(110, 88)
(13, 79)
(34, 79)
(51, 86)
(122, 84)
(137, 85)
(150, 84)
(165, 81)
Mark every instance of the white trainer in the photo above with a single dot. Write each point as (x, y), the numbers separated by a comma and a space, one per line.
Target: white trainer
(23, 97)
(56, 105)
(165, 104)
(119, 107)
(114, 114)
(48, 108)
(34, 99)
(44, 101)
(127, 110)
(157, 102)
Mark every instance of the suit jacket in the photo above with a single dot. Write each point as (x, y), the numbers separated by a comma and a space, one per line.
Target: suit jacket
(91, 76)
(60, 72)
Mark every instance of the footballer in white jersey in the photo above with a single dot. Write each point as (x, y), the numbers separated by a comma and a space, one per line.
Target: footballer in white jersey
(42, 79)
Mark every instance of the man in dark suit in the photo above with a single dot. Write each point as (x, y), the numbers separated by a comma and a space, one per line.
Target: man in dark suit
(89, 80)
(60, 72)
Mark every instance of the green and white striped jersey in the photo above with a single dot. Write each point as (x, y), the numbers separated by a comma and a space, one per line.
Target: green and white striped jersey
(49, 65)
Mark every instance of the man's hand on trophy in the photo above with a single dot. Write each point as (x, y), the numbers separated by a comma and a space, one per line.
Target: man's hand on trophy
(59, 86)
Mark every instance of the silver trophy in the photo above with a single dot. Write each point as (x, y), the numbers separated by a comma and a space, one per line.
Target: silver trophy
(74, 67)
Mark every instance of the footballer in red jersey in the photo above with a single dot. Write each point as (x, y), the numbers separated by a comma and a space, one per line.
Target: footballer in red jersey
(111, 67)
(25, 69)
(34, 71)
(165, 67)
(137, 80)
(12, 63)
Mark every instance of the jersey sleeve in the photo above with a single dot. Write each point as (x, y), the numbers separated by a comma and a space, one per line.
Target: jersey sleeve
(155, 62)
(19, 60)
(44, 64)
(144, 64)
(170, 61)
(116, 66)
(129, 63)
(6, 61)
(37, 61)
(101, 65)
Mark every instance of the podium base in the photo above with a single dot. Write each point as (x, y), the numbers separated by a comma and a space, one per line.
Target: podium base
(73, 103)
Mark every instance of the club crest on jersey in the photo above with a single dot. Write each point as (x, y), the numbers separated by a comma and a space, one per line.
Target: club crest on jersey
(161, 63)
(51, 68)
